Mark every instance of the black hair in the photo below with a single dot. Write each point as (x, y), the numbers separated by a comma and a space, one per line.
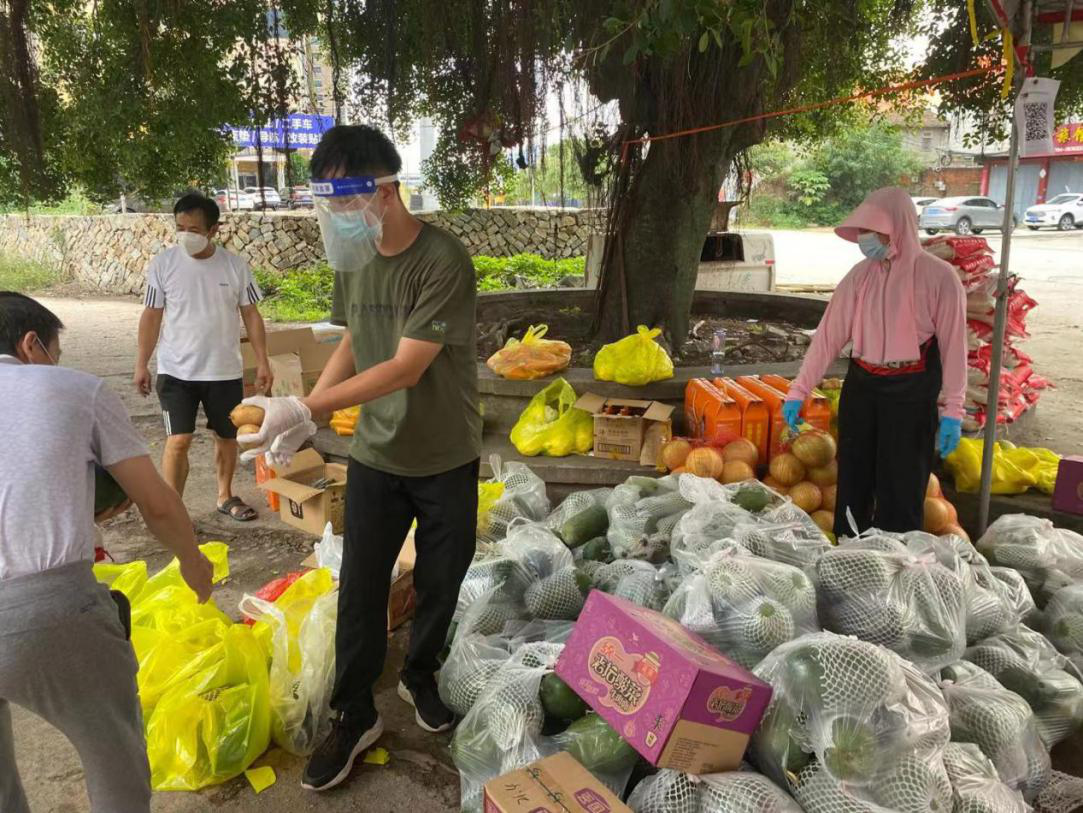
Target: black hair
(193, 201)
(354, 149)
(19, 315)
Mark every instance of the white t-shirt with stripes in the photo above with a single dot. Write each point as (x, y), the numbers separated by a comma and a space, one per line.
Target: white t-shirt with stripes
(201, 329)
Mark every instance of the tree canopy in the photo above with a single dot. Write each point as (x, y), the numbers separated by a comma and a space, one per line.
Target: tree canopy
(134, 94)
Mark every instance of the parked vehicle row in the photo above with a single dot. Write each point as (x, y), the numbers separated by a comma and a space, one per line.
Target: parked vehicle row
(252, 199)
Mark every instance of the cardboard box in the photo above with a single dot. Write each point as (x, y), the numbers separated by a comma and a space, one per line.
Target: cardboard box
(1068, 493)
(556, 784)
(279, 342)
(402, 601)
(677, 701)
(303, 505)
(296, 373)
(640, 436)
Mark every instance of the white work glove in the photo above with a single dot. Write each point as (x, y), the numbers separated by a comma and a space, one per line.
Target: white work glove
(285, 446)
(282, 417)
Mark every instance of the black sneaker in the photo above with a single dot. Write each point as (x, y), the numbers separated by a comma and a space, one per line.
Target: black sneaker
(333, 759)
(432, 715)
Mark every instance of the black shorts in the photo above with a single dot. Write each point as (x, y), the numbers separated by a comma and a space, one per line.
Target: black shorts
(181, 400)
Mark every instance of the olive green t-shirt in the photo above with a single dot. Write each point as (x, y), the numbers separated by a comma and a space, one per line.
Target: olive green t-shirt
(428, 292)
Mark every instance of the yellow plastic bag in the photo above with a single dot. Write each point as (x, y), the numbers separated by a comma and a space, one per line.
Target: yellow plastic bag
(1015, 469)
(294, 604)
(298, 633)
(532, 357)
(551, 425)
(129, 578)
(344, 421)
(635, 360)
(488, 494)
(210, 727)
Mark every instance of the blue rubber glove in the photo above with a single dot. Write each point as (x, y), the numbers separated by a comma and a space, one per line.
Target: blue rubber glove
(791, 411)
(951, 431)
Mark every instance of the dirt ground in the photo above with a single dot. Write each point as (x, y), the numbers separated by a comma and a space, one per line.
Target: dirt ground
(100, 338)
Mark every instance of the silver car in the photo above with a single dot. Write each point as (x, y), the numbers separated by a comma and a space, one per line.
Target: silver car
(963, 215)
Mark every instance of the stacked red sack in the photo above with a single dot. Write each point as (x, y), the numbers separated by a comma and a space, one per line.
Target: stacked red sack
(1020, 387)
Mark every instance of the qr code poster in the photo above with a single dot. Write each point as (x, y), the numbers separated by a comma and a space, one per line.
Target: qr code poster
(1034, 116)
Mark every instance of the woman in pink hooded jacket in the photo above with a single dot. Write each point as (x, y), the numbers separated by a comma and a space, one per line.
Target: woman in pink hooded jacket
(904, 310)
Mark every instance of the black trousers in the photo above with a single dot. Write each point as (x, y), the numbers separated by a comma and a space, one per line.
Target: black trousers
(380, 508)
(887, 438)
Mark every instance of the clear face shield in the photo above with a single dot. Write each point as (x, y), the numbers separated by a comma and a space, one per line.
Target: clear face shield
(350, 224)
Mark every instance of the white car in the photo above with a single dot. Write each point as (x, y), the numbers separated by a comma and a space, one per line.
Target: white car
(921, 203)
(233, 200)
(269, 199)
(1064, 212)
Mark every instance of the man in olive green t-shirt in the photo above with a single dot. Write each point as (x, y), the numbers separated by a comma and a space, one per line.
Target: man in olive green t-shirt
(406, 291)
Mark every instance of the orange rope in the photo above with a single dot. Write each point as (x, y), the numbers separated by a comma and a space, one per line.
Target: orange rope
(868, 94)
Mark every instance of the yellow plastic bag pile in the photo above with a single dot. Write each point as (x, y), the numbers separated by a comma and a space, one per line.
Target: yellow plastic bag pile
(203, 680)
(343, 421)
(532, 357)
(635, 360)
(551, 425)
(1015, 468)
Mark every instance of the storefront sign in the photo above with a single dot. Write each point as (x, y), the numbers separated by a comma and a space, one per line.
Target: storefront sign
(1068, 139)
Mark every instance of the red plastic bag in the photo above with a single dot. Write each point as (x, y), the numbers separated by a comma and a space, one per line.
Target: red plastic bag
(952, 248)
(275, 588)
(976, 264)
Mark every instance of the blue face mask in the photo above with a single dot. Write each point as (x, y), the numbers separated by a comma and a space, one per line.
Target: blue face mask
(871, 246)
(352, 226)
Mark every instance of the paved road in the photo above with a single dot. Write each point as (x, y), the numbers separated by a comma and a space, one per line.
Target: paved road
(1051, 267)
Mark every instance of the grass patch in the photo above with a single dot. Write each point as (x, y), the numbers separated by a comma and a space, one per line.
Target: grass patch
(500, 273)
(24, 276)
(304, 294)
(300, 295)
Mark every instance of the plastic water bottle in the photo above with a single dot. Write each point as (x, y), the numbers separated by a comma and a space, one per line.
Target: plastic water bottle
(718, 352)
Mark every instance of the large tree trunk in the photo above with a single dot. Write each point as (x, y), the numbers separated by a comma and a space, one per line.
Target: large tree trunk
(655, 248)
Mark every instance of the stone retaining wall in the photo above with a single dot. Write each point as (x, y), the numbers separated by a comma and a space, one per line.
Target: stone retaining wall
(111, 252)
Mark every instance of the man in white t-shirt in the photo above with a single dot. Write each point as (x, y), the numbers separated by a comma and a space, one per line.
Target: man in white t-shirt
(64, 650)
(197, 295)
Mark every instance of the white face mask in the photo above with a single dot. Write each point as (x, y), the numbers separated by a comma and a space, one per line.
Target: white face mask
(191, 242)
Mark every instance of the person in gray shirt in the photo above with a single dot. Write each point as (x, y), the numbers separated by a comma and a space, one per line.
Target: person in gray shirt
(64, 652)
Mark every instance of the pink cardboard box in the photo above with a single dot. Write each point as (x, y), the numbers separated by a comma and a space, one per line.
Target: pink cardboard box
(1068, 494)
(680, 703)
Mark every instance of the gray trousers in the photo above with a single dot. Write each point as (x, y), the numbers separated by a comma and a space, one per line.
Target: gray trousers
(64, 656)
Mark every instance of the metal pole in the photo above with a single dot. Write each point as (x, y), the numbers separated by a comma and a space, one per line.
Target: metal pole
(992, 406)
(992, 409)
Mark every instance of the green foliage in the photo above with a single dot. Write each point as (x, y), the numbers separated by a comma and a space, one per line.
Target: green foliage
(26, 276)
(830, 179)
(134, 98)
(860, 159)
(500, 273)
(810, 184)
(304, 294)
(299, 169)
(299, 295)
(76, 203)
(541, 181)
(951, 48)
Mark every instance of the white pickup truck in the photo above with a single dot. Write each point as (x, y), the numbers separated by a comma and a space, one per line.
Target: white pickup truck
(737, 261)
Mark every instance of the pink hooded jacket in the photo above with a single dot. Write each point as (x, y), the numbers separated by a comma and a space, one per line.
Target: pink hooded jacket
(889, 314)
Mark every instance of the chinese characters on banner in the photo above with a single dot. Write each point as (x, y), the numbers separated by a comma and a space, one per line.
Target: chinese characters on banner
(1068, 139)
(305, 132)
